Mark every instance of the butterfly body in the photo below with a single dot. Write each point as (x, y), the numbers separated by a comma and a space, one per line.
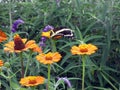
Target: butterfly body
(61, 32)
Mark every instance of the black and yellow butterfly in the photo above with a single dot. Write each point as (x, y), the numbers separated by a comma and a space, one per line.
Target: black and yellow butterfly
(60, 32)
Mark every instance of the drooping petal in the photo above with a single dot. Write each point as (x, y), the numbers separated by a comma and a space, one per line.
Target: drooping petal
(37, 49)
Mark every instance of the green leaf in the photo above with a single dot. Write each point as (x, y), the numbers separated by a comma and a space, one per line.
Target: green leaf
(89, 38)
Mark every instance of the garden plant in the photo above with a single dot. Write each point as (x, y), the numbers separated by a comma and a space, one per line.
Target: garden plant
(59, 45)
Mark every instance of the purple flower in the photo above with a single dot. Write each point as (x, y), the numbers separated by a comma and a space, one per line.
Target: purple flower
(47, 28)
(16, 24)
(13, 30)
(43, 39)
(65, 79)
(42, 44)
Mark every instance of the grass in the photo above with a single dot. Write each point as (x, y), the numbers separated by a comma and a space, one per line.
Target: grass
(92, 21)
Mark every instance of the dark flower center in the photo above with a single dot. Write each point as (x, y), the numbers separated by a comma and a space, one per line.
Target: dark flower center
(48, 57)
(84, 50)
(33, 81)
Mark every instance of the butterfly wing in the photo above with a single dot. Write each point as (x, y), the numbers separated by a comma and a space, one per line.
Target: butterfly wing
(62, 32)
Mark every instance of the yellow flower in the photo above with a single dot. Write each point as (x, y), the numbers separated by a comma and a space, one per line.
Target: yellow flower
(1, 63)
(84, 49)
(32, 81)
(48, 58)
(19, 45)
(37, 49)
(3, 36)
(46, 34)
(33, 46)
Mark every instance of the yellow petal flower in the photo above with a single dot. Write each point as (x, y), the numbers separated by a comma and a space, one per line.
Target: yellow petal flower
(83, 49)
(48, 58)
(19, 45)
(32, 81)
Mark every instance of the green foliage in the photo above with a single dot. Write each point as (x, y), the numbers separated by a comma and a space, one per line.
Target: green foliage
(93, 21)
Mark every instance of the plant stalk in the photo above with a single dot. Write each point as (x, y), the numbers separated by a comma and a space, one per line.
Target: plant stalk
(83, 72)
(33, 88)
(53, 45)
(28, 62)
(49, 76)
(9, 79)
(22, 66)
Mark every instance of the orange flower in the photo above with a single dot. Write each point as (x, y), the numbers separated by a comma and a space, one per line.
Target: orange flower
(48, 58)
(37, 49)
(1, 63)
(33, 46)
(32, 81)
(84, 49)
(3, 36)
(19, 45)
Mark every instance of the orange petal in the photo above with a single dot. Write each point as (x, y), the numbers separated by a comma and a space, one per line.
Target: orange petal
(3, 36)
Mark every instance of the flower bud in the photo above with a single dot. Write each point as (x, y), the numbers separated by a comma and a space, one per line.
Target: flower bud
(7, 64)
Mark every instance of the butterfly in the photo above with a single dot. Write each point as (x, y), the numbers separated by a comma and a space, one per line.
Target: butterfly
(3, 36)
(60, 32)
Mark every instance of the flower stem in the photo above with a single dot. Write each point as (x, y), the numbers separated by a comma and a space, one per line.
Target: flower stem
(33, 88)
(9, 78)
(53, 45)
(49, 67)
(49, 76)
(28, 62)
(83, 72)
(22, 66)
(10, 15)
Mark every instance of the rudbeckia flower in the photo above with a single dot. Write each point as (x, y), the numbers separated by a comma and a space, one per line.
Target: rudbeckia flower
(32, 81)
(3, 36)
(1, 63)
(48, 58)
(84, 49)
(19, 45)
